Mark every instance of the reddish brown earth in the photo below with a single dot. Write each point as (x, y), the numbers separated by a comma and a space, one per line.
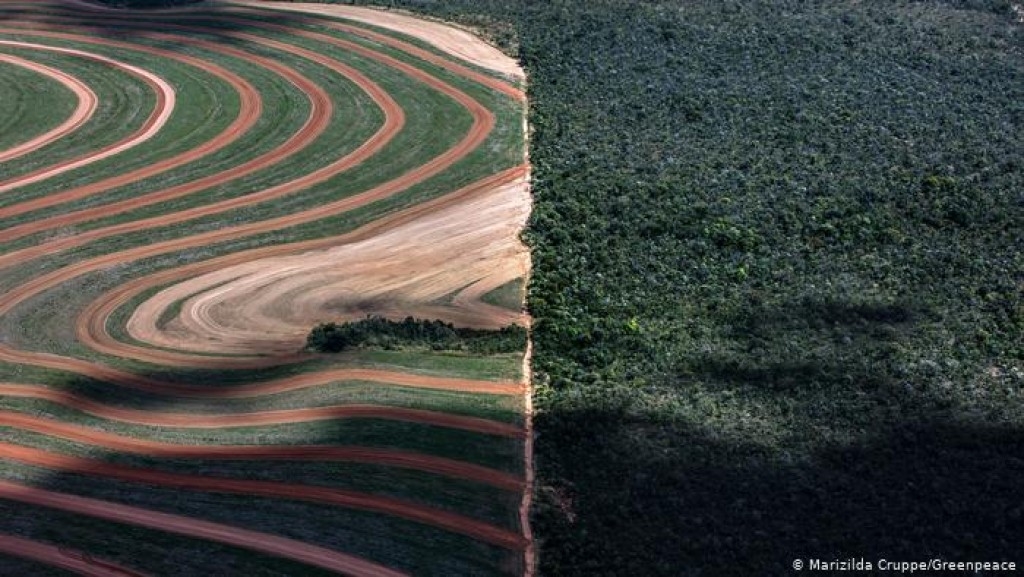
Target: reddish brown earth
(291, 491)
(215, 421)
(391, 457)
(473, 233)
(254, 540)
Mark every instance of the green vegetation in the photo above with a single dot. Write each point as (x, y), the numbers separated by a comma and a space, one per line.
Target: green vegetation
(509, 295)
(469, 498)
(146, 550)
(379, 332)
(777, 284)
(124, 104)
(30, 104)
(395, 542)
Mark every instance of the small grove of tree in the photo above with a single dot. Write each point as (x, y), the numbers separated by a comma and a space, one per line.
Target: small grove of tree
(379, 332)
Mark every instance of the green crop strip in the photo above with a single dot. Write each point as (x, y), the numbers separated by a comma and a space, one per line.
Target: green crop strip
(391, 541)
(206, 106)
(142, 549)
(30, 104)
(471, 499)
(124, 104)
(487, 450)
(501, 408)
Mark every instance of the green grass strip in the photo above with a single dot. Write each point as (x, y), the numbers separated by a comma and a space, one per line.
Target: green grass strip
(471, 499)
(388, 540)
(487, 450)
(125, 102)
(30, 104)
(140, 549)
(205, 106)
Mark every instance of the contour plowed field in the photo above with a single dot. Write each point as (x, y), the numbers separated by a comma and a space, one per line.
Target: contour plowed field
(224, 178)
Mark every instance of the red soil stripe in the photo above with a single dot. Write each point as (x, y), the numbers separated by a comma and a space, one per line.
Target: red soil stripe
(409, 48)
(225, 420)
(165, 100)
(250, 109)
(313, 494)
(177, 524)
(87, 102)
(388, 457)
(62, 558)
(318, 122)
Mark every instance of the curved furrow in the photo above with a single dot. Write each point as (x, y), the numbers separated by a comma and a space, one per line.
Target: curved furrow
(62, 558)
(91, 324)
(380, 456)
(312, 129)
(323, 16)
(408, 48)
(456, 44)
(254, 540)
(250, 109)
(268, 305)
(165, 102)
(225, 420)
(314, 494)
(87, 103)
(483, 122)
(152, 385)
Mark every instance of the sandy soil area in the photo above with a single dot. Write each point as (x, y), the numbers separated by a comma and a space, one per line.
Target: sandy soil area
(454, 41)
(437, 266)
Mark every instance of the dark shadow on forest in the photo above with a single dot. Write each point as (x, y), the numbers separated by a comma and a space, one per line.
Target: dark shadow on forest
(858, 463)
(712, 506)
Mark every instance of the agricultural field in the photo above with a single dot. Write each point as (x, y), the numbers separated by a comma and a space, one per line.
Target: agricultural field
(184, 195)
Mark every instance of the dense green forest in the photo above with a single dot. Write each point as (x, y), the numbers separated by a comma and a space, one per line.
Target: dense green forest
(779, 258)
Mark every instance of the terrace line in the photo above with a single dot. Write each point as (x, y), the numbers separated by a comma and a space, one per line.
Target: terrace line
(87, 103)
(163, 110)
